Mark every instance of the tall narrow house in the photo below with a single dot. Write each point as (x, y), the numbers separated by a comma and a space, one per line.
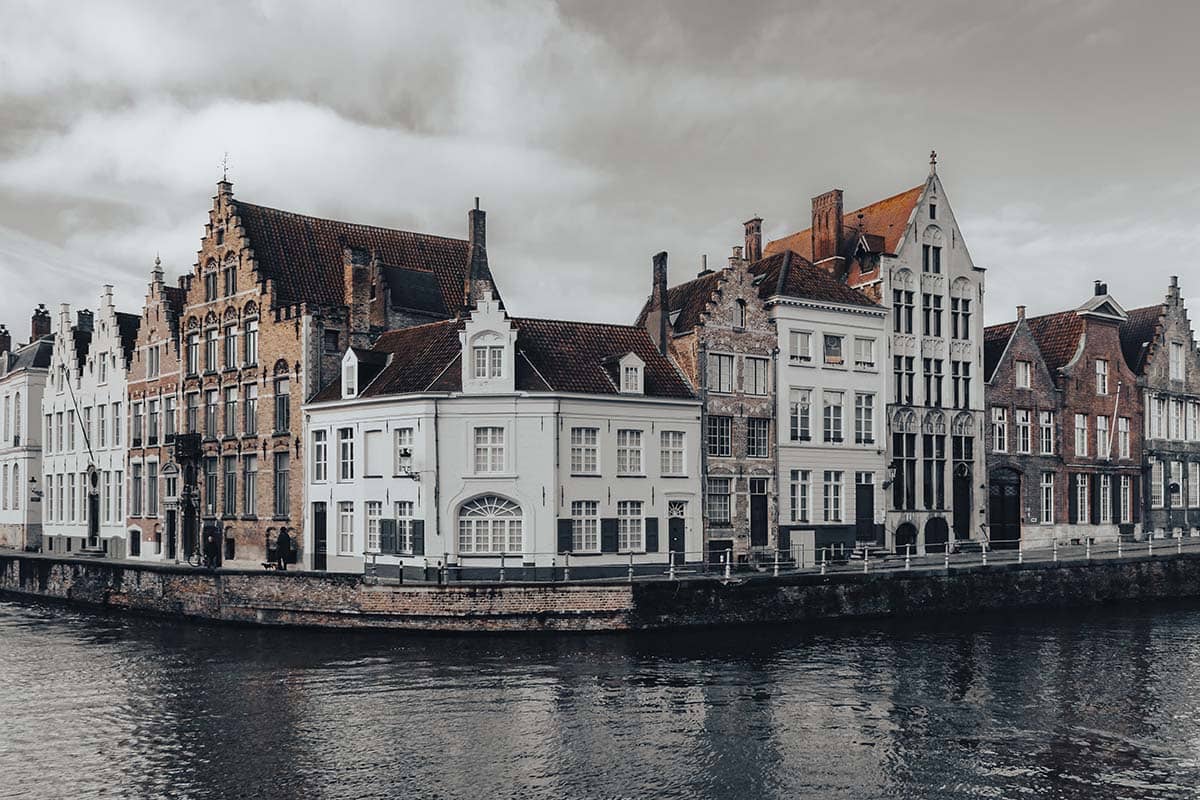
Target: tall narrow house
(23, 372)
(1160, 347)
(907, 251)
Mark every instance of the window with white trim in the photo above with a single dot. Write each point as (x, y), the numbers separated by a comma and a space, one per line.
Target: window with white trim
(832, 496)
(402, 511)
(1047, 493)
(1102, 441)
(1105, 499)
(1176, 484)
(320, 456)
(1126, 499)
(345, 454)
(758, 437)
(833, 350)
(798, 492)
(629, 452)
(756, 375)
(800, 415)
(1176, 359)
(1194, 484)
(404, 451)
(374, 515)
(630, 523)
(585, 526)
(718, 501)
(719, 435)
(832, 416)
(487, 361)
(1081, 498)
(490, 524)
(800, 347)
(584, 453)
(673, 455)
(1101, 376)
(720, 372)
(345, 527)
(999, 429)
(864, 353)
(631, 379)
(1024, 374)
(1123, 437)
(1081, 448)
(489, 449)
(1024, 430)
(1156, 484)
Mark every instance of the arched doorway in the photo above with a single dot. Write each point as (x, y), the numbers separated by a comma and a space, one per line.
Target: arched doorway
(937, 535)
(490, 524)
(906, 537)
(1004, 509)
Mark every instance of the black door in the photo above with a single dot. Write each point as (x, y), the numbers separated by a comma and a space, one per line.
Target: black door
(937, 535)
(962, 502)
(93, 512)
(906, 539)
(171, 535)
(758, 520)
(191, 547)
(864, 512)
(675, 540)
(320, 544)
(1004, 509)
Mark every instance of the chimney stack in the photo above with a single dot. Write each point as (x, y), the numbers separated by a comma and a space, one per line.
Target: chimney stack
(1020, 312)
(479, 276)
(753, 239)
(85, 320)
(5, 340)
(1173, 290)
(660, 300)
(40, 323)
(704, 270)
(827, 226)
(1101, 288)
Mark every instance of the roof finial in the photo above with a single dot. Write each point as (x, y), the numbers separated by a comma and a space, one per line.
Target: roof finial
(225, 167)
(477, 203)
(933, 162)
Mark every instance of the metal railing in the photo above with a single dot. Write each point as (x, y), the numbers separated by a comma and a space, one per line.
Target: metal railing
(725, 564)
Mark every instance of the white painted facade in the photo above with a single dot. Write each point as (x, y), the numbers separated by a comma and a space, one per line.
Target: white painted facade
(490, 469)
(84, 412)
(22, 382)
(832, 415)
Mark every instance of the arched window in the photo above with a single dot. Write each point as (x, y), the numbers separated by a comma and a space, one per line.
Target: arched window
(905, 421)
(931, 250)
(230, 272)
(16, 487)
(490, 524)
(17, 418)
(741, 313)
(210, 281)
(935, 423)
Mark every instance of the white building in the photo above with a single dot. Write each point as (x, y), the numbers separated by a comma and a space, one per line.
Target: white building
(907, 252)
(831, 389)
(84, 418)
(23, 371)
(548, 444)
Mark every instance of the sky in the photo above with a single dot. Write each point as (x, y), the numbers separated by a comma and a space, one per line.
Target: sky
(598, 133)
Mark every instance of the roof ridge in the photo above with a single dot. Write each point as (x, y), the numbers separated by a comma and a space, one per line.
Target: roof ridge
(578, 322)
(347, 223)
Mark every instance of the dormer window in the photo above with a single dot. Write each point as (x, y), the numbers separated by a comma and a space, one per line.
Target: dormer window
(349, 378)
(632, 371)
(631, 380)
(487, 361)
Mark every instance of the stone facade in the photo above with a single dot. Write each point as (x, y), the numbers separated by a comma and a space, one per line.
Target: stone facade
(720, 336)
(1160, 344)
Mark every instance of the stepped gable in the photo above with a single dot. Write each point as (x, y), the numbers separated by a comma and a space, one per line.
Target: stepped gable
(1138, 333)
(884, 222)
(685, 302)
(552, 355)
(303, 256)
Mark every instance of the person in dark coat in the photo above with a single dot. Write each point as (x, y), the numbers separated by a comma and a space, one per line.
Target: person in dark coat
(283, 549)
(212, 548)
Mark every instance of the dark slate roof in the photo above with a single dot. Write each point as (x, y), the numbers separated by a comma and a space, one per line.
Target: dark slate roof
(35, 355)
(995, 339)
(1137, 335)
(885, 220)
(415, 290)
(127, 325)
(1057, 336)
(804, 281)
(552, 355)
(303, 255)
(685, 302)
(176, 298)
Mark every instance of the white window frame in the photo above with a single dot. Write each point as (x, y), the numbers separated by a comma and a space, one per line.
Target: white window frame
(1106, 510)
(402, 450)
(757, 375)
(631, 527)
(799, 347)
(864, 353)
(488, 442)
(1081, 438)
(585, 451)
(585, 526)
(800, 494)
(1123, 437)
(999, 429)
(345, 528)
(833, 495)
(1047, 498)
(345, 440)
(629, 452)
(1101, 376)
(1024, 374)
(1024, 429)
(721, 367)
(674, 453)
(373, 512)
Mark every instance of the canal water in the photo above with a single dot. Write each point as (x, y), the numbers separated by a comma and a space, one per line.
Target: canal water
(1096, 704)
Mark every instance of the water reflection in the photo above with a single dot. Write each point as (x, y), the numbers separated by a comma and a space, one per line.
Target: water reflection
(1097, 704)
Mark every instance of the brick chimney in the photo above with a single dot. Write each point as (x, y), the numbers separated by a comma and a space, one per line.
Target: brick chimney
(826, 225)
(753, 239)
(5, 340)
(39, 324)
(704, 270)
(479, 274)
(1173, 291)
(84, 320)
(659, 302)
(1101, 288)
(1020, 312)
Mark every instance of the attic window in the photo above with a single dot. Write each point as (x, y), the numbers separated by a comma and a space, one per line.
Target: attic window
(933, 210)
(741, 313)
(331, 341)
(631, 379)
(349, 379)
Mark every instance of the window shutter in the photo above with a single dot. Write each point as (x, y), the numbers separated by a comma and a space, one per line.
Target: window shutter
(1073, 499)
(566, 538)
(785, 539)
(418, 537)
(1114, 506)
(1094, 490)
(651, 534)
(387, 536)
(608, 535)
(1136, 499)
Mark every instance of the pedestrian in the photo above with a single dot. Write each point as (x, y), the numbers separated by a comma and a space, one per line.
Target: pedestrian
(211, 547)
(283, 549)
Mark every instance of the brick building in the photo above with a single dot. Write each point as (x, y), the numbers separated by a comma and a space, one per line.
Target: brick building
(717, 332)
(907, 250)
(1160, 347)
(1087, 485)
(271, 304)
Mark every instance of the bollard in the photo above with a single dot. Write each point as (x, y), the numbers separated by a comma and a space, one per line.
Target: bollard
(908, 556)
(1087, 548)
(502, 567)
(984, 551)
(776, 562)
(1119, 553)
(728, 562)
(1179, 545)
(822, 566)
(1020, 552)
(553, 567)
(631, 567)
(1150, 544)
(1056, 549)
(566, 566)
(671, 564)
(947, 559)
(866, 560)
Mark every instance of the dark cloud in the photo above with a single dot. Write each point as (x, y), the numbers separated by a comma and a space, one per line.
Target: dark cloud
(599, 133)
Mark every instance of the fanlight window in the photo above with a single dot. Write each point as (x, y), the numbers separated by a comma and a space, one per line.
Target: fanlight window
(935, 423)
(906, 422)
(490, 524)
(964, 425)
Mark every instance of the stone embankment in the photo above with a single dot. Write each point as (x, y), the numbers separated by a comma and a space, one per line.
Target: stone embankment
(339, 601)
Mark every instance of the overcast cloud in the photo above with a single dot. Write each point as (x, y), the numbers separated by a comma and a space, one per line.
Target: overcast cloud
(599, 133)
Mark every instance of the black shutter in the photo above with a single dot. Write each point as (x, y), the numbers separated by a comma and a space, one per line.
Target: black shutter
(418, 536)
(566, 535)
(1073, 500)
(1114, 508)
(608, 535)
(1136, 499)
(1094, 488)
(785, 539)
(651, 534)
(387, 536)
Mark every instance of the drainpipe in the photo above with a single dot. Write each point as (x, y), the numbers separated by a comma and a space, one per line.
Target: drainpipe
(777, 493)
(702, 368)
(450, 544)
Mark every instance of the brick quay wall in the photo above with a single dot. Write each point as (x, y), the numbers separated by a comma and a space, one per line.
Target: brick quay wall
(328, 601)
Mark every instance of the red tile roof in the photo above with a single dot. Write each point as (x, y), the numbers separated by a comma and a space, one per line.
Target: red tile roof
(887, 219)
(303, 255)
(1057, 336)
(552, 355)
(1138, 333)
